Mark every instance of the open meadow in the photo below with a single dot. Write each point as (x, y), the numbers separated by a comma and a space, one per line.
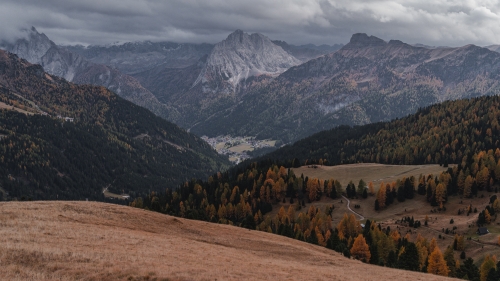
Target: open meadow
(373, 172)
(98, 241)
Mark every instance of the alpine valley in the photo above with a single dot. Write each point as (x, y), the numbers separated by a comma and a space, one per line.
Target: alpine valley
(61, 140)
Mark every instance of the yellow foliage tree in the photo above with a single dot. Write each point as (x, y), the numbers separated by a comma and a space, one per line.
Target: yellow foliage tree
(469, 181)
(360, 250)
(371, 189)
(381, 196)
(487, 216)
(348, 227)
(437, 264)
(432, 245)
(488, 263)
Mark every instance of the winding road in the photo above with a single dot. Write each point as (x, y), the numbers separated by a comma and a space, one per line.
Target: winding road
(349, 207)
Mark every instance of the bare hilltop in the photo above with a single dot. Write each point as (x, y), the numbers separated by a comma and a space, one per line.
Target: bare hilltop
(98, 241)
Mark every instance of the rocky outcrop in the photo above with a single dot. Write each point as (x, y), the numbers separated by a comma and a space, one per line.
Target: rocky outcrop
(241, 56)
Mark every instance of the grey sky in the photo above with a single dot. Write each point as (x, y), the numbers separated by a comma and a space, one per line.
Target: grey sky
(432, 22)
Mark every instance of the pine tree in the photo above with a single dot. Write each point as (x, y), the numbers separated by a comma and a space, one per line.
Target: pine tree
(468, 269)
(361, 187)
(360, 250)
(409, 259)
(450, 261)
(437, 264)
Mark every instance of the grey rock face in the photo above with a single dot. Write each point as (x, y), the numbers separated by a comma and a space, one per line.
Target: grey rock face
(241, 56)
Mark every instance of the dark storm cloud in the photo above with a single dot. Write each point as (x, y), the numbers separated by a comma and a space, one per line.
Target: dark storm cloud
(296, 21)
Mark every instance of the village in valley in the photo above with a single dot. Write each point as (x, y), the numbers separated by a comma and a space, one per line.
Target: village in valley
(237, 148)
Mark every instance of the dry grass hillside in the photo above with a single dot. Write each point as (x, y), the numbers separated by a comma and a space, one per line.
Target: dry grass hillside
(97, 241)
(373, 172)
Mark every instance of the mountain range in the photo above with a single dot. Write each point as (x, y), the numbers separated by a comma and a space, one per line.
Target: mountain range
(368, 80)
(249, 85)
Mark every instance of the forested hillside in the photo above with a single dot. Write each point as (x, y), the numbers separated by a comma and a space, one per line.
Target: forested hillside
(442, 133)
(112, 143)
(463, 132)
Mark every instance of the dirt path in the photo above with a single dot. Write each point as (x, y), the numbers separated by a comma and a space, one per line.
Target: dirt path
(349, 207)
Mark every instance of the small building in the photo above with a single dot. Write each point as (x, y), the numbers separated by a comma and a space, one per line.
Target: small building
(482, 231)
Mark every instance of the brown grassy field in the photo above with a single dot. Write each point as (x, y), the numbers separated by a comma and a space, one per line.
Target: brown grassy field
(6, 106)
(97, 241)
(376, 173)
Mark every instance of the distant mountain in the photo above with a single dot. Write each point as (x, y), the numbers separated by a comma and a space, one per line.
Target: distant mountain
(368, 80)
(218, 80)
(39, 49)
(135, 57)
(239, 57)
(85, 138)
(494, 48)
(309, 51)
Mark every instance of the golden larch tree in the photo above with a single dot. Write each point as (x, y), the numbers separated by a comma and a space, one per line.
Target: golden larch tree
(437, 264)
(488, 263)
(371, 189)
(432, 245)
(381, 196)
(360, 250)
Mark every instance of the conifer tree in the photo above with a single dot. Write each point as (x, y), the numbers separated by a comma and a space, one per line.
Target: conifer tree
(360, 250)
(437, 264)
(488, 263)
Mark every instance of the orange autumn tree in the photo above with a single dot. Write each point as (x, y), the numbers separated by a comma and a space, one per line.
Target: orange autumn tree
(490, 262)
(437, 264)
(360, 250)
(348, 227)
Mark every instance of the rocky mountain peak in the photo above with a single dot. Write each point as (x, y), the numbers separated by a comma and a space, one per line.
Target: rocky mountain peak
(240, 56)
(33, 46)
(363, 40)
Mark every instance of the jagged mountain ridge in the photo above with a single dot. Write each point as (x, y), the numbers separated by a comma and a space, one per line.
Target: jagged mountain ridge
(368, 80)
(37, 48)
(135, 57)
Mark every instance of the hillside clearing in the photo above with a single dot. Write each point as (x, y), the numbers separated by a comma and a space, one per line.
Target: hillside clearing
(97, 241)
(376, 173)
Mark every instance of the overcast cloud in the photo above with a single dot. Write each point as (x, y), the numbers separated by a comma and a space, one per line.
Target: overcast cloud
(432, 22)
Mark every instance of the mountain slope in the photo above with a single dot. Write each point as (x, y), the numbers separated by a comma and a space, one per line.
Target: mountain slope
(77, 240)
(39, 49)
(368, 80)
(309, 51)
(449, 132)
(112, 142)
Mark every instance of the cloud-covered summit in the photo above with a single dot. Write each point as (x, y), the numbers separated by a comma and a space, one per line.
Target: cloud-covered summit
(452, 23)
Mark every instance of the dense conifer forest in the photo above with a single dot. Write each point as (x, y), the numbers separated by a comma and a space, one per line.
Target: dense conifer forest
(108, 142)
